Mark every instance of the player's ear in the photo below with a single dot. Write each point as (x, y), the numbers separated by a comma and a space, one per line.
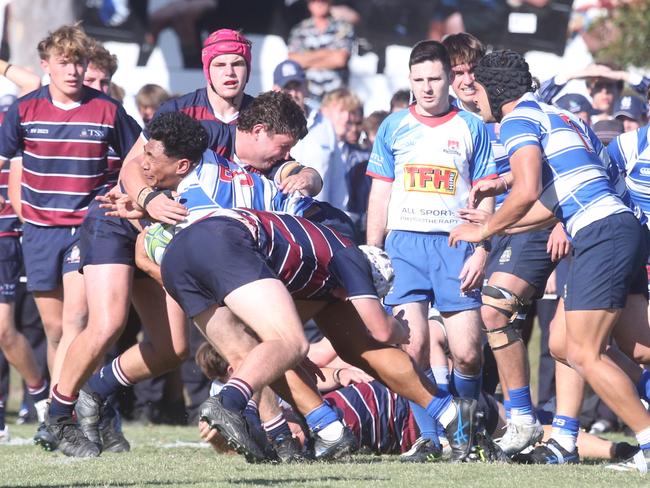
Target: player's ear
(258, 129)
(183, 166)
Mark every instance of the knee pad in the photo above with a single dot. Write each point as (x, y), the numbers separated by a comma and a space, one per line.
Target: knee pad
(503, 336)
(509, 305)
(503, 300)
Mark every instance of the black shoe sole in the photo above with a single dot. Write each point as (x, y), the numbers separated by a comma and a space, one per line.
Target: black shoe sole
(45, 444)
(234, 443)
(117, 449)
(344, 452)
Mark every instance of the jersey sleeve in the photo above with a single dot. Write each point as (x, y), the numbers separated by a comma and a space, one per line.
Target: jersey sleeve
(11, 143)
(352, 270)
(482, 165)
(518, 132)
(617, 155)
(381, 164)
(125, 132)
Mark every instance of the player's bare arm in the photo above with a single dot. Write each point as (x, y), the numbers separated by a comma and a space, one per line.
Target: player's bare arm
(143, 262)
(378, 212)
(526, 166)
(296, 177)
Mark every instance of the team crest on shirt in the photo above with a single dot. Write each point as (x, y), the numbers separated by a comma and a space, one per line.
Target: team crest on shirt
(427, 178)
(505, 255)
(85, 132)
(452, 147)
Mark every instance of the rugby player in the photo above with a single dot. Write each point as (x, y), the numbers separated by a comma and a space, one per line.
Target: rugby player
(64, 130)
(226, 58)
(263, 253)
(424, 162)
(552, 160)
(518, 267)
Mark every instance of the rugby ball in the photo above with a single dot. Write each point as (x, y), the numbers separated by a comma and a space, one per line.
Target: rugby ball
(156, 239)
(381, 267)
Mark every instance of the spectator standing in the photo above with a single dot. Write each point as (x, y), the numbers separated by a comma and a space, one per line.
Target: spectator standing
(322, 45)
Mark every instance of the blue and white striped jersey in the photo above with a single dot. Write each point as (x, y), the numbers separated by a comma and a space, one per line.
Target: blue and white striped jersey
(217, 182)
(575, 183)
(631, 153)
(499, 153)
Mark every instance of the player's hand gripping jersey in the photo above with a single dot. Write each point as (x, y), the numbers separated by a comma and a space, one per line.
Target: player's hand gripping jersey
(432, 162)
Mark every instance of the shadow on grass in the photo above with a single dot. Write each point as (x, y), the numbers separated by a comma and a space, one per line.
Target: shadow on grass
(89, 484)
(303, 481)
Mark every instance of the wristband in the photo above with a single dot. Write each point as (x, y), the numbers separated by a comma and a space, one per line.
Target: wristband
(144, 191)
(485, 244)
(153, 194)
(6, 69)
(337, 376)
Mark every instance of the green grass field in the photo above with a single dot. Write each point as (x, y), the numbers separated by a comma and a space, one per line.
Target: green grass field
(165, 456)
(171, 456)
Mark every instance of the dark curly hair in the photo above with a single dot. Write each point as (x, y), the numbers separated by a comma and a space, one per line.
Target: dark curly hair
(505, 77)
(182, 136)
(277, 112)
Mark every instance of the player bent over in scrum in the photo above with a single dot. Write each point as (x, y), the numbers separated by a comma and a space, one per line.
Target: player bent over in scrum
(266, 257)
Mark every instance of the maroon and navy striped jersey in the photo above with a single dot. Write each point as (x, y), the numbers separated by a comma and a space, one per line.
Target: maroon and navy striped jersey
(311, 259)
(221, 135)
(379, 418)
(9, 223)
(65, 152)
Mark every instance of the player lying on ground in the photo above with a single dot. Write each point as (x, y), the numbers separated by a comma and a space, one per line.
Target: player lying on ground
(381, 420)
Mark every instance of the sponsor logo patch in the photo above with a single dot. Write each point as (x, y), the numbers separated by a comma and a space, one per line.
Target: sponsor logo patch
(430, 179)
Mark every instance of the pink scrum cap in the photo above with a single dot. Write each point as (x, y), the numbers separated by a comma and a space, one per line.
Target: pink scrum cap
(225, 41)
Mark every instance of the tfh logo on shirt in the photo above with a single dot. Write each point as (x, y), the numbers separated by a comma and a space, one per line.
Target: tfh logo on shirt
(430, 179)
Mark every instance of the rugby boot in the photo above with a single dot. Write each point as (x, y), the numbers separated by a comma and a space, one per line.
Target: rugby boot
(88, 410)
(549, 452)
(70, 439)
(484, 449)
(519, 436)
(44, 438)
(640, 463)
(233, 427)
(110, 430)
(288, 449)
(460, 431)
(345, 445)
(422, 451)
(100, 423)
